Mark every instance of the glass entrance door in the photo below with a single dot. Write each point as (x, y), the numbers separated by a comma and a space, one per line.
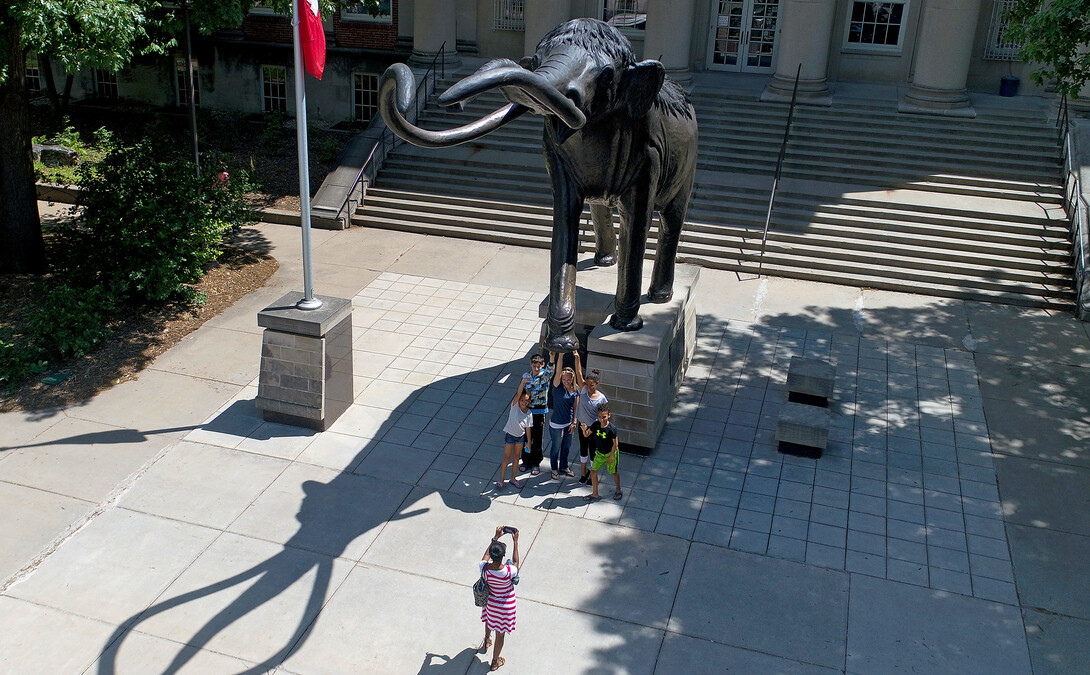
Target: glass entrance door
(743, 35)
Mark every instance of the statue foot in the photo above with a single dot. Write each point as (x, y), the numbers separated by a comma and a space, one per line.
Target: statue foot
(663, 294)
(630, 324)
(565, 342)
(605, 259)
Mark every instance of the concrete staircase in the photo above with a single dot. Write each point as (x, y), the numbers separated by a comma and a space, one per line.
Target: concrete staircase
(869, 197)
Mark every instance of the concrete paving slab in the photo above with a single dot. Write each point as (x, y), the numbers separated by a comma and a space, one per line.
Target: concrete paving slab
(32, 519)
(115, 566)
(158, 402)
(364, 247)
(140, 653)
(41, 640)
(202, 484)
(896, 627)
(1045, 494)
(1057, 644)
(517, 267)
(918, 319)
(778, 607)
(81, 459)
(245, 598)
(445, 258)
(458, 525)
(792, 303)
(684, 654)
(1026, 333)
(220, 354)
(1051, 569)
(1039, 430)
(316, 509)
(18, 428)
(619, 572)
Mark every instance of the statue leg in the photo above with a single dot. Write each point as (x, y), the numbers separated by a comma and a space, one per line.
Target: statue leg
(635, 221)
(672, 219)
(605, 238)
(567, 210)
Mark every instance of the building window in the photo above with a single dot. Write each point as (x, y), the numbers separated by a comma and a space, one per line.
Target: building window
(625, 14)
(364, 96)
(999, 47)
(876, 25)
(33, 75)
(180, 83)
(262, 8)
(360, 12)
(274, 88)
(105, 83)
(508, 15)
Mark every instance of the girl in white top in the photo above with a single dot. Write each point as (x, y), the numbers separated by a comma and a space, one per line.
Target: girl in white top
(516, 433)
(586, 412)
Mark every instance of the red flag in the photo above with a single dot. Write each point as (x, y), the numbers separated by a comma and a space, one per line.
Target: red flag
(312, 37)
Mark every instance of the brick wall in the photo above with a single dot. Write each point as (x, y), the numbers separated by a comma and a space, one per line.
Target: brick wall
(267, 28)
(366, 34)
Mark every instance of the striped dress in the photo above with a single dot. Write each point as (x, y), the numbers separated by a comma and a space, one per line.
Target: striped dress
(499, 613)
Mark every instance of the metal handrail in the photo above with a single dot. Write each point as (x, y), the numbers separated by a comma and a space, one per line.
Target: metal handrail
(387, 137)
(1072, 202)
(779, 169)
(1061, 118)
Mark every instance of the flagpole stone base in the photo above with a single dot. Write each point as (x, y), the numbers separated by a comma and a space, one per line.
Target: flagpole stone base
(641, 370)
(306, 362)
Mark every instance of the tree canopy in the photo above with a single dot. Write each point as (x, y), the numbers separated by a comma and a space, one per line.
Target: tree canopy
(1056, 36)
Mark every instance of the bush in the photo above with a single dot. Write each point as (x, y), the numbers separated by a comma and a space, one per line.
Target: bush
(89, 153)
(67, 323)
(149, 227)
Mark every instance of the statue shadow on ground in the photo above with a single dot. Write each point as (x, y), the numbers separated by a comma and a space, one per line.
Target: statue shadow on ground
(327, 525)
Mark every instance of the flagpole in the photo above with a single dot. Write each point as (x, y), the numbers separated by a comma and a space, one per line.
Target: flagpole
(308, 301)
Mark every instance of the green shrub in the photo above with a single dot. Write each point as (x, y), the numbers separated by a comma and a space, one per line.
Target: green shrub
(88, 153)
(66, 323)
(150, 224)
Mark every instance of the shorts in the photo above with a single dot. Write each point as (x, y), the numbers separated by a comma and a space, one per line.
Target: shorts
(602, 460)
(508, 439)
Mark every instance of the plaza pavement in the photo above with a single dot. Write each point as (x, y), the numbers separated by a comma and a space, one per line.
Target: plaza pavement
(164, 527)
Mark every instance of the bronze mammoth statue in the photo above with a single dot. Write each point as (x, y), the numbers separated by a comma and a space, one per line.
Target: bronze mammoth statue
(618, 133)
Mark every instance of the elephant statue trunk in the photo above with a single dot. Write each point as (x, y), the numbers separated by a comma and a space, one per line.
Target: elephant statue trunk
(618, 134)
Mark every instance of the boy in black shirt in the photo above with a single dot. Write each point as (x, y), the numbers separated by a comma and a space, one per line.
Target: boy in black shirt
(604, 450)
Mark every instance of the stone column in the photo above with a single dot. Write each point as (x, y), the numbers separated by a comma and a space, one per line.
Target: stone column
(541, 17)
(943, 52)
(806, 28)
(670, 33)
(434, 22)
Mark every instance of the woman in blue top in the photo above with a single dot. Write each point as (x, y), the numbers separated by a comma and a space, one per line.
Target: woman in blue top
(562, 421)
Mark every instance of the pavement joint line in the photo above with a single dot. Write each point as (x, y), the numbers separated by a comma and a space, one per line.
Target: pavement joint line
(75, 528)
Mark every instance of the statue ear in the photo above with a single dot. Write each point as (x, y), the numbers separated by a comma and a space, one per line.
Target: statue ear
(640, 85)
(530, 62)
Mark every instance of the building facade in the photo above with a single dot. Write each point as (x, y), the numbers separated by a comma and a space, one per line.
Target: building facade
(934, 51)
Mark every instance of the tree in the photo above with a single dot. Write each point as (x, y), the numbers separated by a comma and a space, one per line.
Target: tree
(80, 34)
(1057, 37)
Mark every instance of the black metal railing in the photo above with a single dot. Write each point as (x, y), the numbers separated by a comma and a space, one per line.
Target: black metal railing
(1061, 118)
(387, 141)
(779, 170)
(1077, 211)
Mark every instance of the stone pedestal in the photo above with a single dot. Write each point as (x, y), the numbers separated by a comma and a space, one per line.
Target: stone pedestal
(306, 362)
(803, 429)
(641, 370)
(810, 379)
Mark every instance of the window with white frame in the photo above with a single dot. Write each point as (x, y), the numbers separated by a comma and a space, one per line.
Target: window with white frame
(999, 47)
(105, 83)
(359, 12)
(625, 14)
(877, 26)
(32, 73)
(181, 86)
(274, 88)
(509, 15)
(364, 96)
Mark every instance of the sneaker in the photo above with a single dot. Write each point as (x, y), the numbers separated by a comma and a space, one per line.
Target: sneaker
(585, 479)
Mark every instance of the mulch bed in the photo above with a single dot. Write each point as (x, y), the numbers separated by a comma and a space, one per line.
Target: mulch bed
(136, 340)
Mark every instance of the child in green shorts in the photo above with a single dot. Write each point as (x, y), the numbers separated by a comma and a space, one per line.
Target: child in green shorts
(604, 450)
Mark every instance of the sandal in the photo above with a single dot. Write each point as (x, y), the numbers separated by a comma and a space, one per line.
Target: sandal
(591, 498)
(516, 483)
(485, 645)
(555, 475)
(535, 471)
(498, 663)
(569, 472)
(618, 494)
(499, 484)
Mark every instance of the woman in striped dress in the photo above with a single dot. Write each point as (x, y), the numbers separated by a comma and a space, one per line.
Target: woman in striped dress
(499, 614)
